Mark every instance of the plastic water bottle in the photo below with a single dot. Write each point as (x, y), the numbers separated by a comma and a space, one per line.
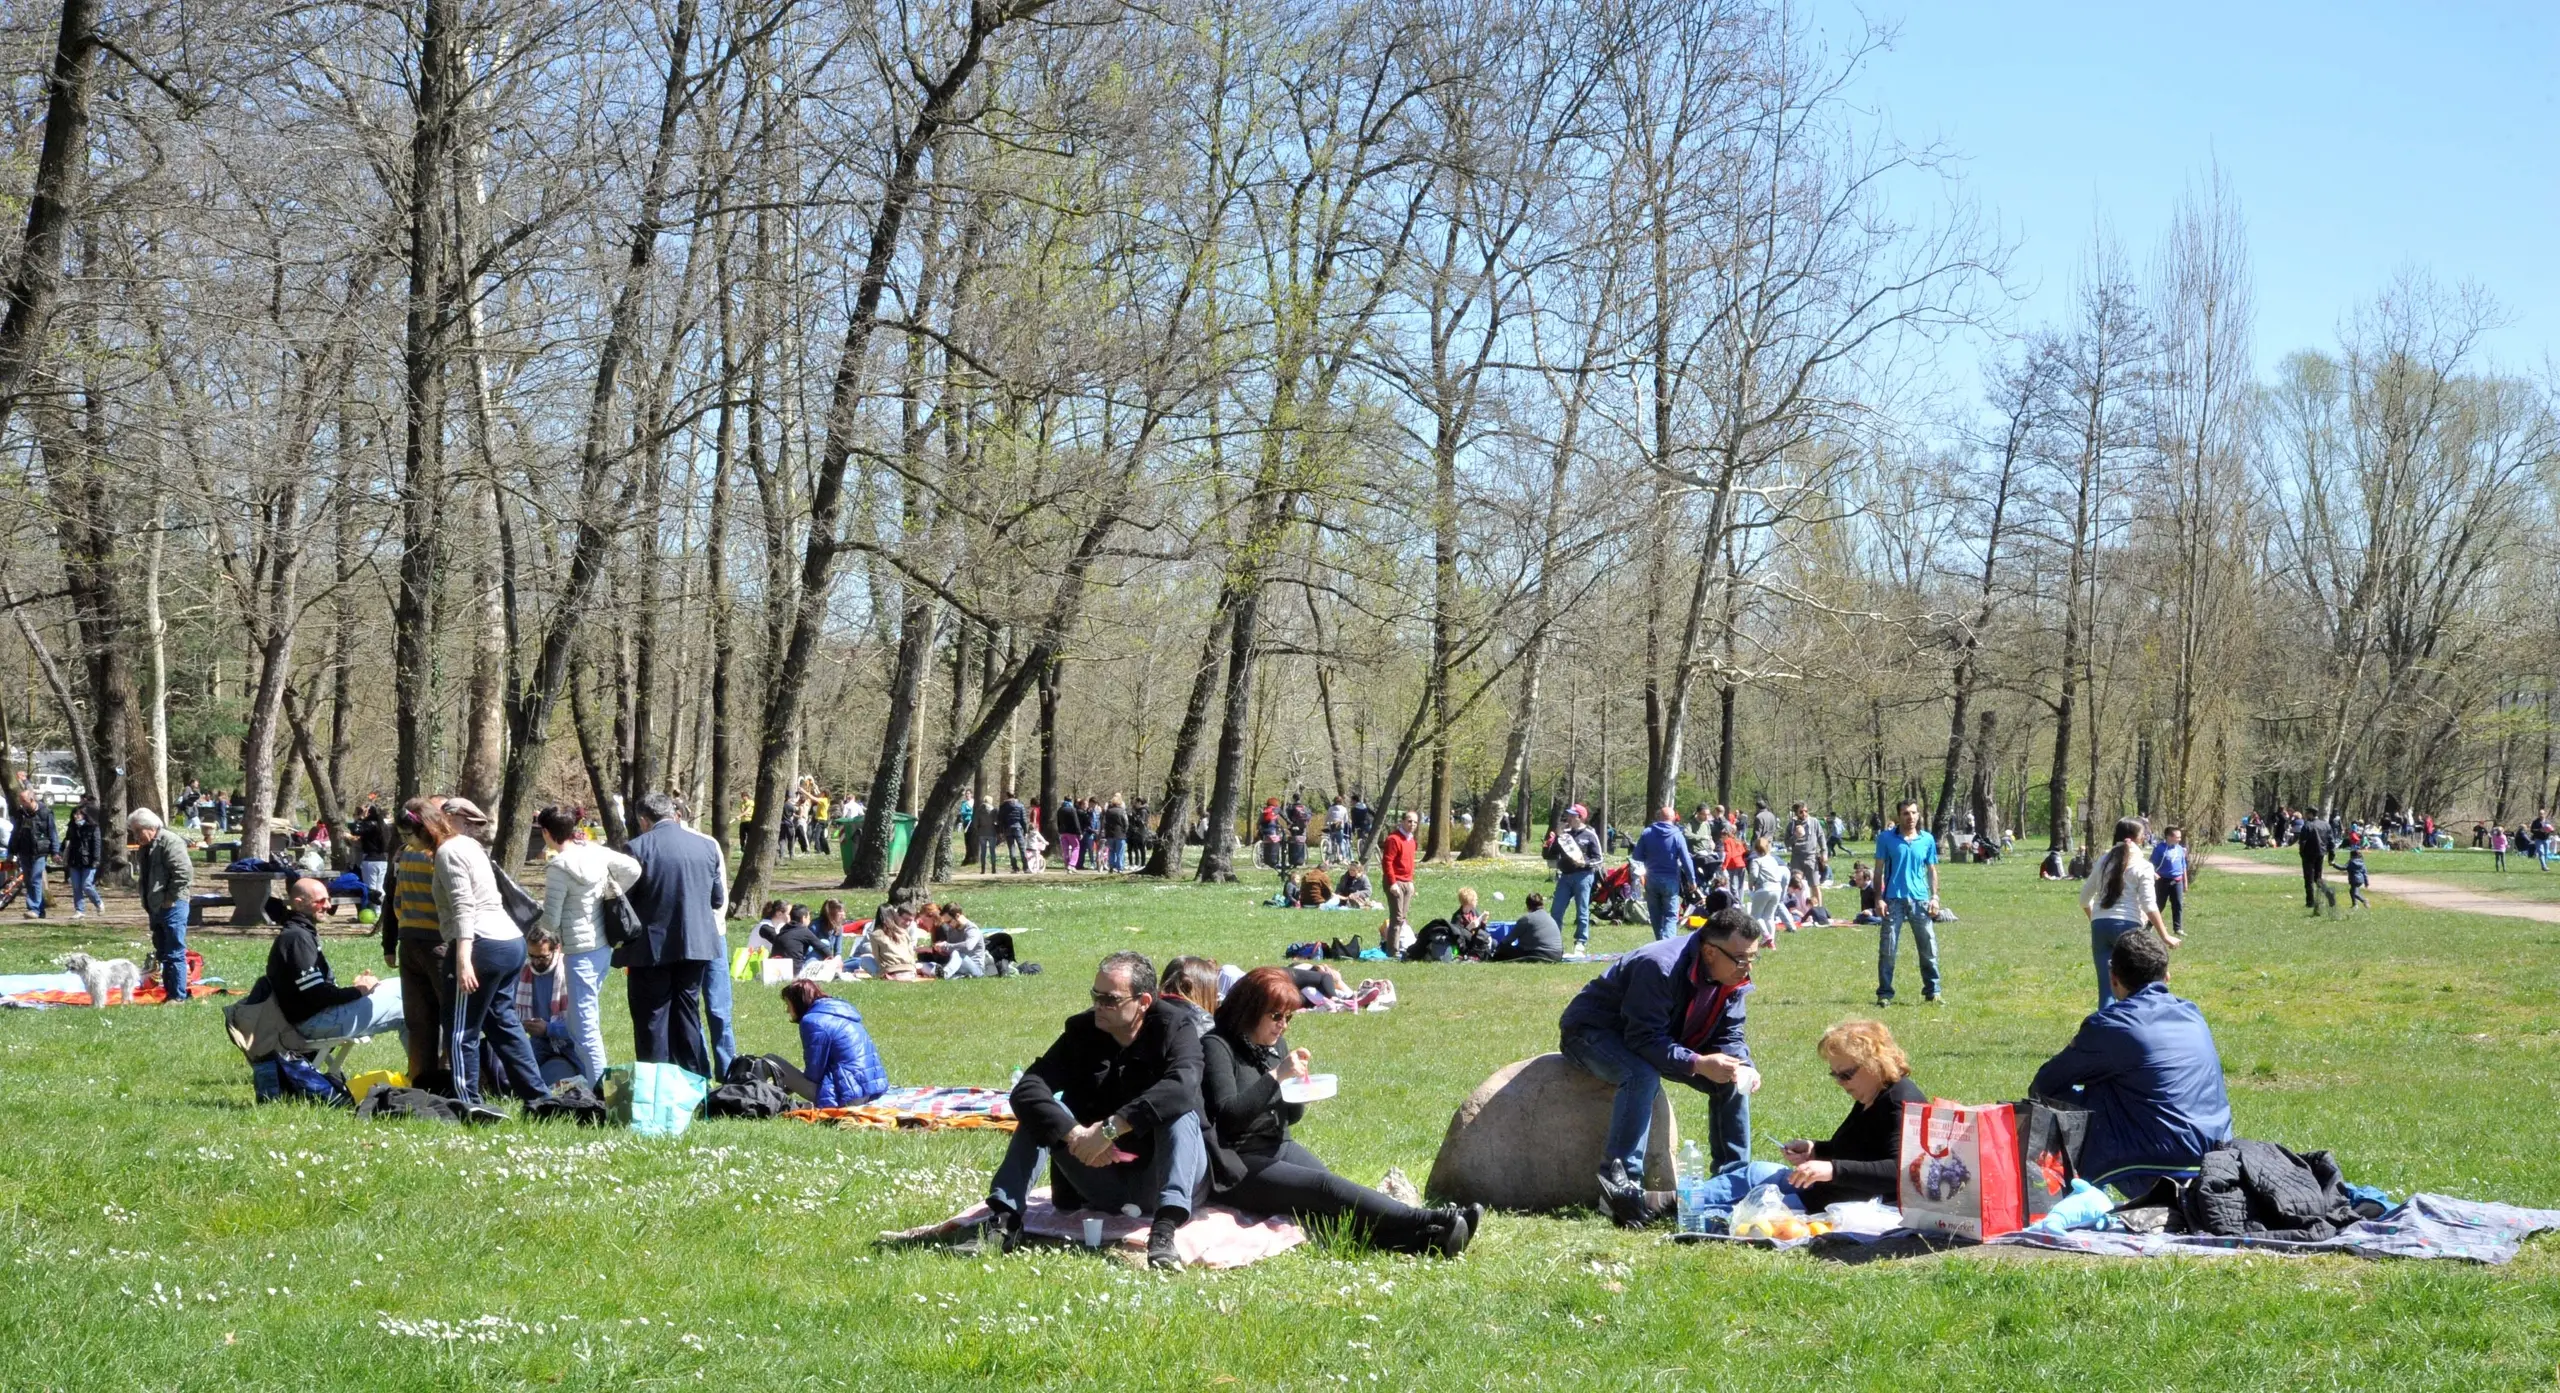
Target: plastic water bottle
(1691, 1183)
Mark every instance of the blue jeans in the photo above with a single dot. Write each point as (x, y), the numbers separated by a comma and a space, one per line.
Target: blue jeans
(1662, 907)
(2102, 942)
(373, 874)
(491, 1012)
(1169, 1179)
(586, 1023)
(1607, 1058)
(35, 886)
(372, 1014)
(169, 945)
(717, 1000)
(1924, 935)
(1119, 853)
(84, 886)
(1573, 888)
(1727, 1188)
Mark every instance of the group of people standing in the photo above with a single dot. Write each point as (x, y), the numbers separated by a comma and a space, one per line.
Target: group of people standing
(32, 842)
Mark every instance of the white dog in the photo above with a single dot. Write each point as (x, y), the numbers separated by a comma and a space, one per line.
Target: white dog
(102, 977)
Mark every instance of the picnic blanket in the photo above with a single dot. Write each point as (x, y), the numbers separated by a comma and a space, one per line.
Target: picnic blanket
(922, 1110)
(1215, 1236)
(29, 989)
(2426, 1226)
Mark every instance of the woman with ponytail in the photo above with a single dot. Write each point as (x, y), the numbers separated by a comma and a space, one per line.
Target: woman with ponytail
(2121, 895)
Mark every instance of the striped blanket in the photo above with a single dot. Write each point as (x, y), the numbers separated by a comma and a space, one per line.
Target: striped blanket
(922, 1110)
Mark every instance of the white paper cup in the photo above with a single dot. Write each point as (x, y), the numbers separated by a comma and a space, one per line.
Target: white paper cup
(1093, 1233)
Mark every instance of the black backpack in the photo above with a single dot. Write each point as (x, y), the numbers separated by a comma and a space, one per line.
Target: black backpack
(417, 1102)
(752, 1099)
(772, 1069)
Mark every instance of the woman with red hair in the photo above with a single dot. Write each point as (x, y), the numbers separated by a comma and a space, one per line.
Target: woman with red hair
(1254, 1166)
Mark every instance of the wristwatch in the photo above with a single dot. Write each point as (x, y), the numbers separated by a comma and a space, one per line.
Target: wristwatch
(1111, 1128)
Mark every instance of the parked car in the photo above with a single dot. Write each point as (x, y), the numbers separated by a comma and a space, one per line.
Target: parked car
(58, 789)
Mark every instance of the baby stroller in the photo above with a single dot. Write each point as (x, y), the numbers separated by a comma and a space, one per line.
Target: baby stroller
(1615, 897)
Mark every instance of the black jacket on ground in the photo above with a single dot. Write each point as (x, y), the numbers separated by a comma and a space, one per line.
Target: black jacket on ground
(1152, 1082)
(1240, 1100)
(298, 972)
(84, 845)
(1865, 1151)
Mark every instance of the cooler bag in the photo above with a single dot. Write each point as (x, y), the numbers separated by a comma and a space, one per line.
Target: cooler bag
(1959, 1169)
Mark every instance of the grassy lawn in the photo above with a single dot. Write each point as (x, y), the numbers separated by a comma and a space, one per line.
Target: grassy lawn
(170, 1235)
(2462, 868)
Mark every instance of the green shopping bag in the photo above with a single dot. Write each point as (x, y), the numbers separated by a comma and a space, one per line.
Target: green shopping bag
(655, 1100)
(745, 964)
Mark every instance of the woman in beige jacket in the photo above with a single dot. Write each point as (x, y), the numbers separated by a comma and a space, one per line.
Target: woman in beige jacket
(487, 949)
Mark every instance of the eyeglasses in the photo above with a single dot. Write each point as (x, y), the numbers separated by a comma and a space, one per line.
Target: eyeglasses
(1112, 998)
(1743, 961)
(1844, 1075)
(1281, 1017)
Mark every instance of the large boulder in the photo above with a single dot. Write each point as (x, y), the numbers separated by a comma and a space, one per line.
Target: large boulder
(1530, 1138)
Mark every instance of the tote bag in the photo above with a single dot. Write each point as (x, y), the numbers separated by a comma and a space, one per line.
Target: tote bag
(655, 1100)
(1959, 1169)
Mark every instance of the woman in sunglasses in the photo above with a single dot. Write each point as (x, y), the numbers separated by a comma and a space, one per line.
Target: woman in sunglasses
(1255, 1167)
(1858, 1162)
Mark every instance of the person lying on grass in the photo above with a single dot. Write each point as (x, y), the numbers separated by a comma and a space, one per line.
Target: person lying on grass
(835, 1050)
(1113, 1107)
(1257, 1168)
(2146, 1068)
(1672, 1009)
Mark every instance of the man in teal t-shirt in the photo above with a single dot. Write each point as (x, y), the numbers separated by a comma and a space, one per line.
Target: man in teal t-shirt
(1907, 873)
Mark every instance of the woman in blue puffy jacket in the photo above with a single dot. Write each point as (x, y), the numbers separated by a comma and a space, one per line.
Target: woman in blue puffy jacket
(838, 1054)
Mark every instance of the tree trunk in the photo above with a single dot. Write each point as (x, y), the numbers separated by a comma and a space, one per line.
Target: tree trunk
(36, 281)
(602, 780)
(891, 770)
(1173, 814)
(791, 664)
(1217, 850)
(422, 471)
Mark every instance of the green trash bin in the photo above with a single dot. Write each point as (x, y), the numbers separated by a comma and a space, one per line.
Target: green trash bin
(902, 829)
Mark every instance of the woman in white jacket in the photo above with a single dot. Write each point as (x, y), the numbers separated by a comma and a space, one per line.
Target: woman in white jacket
(581, 876)
(488, 951)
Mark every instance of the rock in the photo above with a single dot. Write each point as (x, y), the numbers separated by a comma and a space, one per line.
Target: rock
(1529, 1139)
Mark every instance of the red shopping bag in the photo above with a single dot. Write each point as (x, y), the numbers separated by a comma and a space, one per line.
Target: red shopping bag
(1959, 1169)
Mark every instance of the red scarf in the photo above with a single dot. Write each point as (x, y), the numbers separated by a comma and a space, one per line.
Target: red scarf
(1705, 1007)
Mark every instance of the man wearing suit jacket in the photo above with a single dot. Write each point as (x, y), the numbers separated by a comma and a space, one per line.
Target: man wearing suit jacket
(682, 889)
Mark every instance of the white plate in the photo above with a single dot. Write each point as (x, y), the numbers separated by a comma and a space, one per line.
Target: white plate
(1311, 1089)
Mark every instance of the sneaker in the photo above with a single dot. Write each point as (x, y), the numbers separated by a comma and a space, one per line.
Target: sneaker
(1883, 1000)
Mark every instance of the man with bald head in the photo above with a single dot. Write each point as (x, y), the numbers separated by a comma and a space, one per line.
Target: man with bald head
(305, 990)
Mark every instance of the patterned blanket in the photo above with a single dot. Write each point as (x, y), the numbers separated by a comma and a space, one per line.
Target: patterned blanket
(1215, 1236)
(922, 1110)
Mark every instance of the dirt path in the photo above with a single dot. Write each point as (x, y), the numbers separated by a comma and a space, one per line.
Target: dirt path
(2426, 894)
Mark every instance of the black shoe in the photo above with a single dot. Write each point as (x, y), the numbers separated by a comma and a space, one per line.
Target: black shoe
(1934, 997)
(1162, 1254)
(1625, 1201)
(1450, 1232)
(996, 1235)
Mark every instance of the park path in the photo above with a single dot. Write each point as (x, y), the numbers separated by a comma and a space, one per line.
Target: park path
(2427, 894)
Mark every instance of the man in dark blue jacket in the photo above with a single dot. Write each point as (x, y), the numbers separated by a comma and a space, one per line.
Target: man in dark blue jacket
(1669, 1010)
(682, 889)
(2146, 1068)
(1669, 874)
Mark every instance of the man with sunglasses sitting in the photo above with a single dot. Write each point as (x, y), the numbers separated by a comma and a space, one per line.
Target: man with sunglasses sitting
(1114, 1106)
(1672, 1009)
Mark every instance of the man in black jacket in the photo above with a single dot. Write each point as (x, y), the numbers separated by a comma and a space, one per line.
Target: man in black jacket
(306, 992)
(1114, 1105)
(31, 845)
(2315, 844)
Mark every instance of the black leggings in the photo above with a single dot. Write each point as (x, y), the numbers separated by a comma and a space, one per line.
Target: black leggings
(1295, 1183)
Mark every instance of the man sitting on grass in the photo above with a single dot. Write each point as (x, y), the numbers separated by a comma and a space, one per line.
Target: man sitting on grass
(1114, 1105)
(2146, 1068)
(1536, 937)
(1669, 1010)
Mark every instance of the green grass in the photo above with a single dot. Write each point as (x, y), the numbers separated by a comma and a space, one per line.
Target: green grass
(170, 1235)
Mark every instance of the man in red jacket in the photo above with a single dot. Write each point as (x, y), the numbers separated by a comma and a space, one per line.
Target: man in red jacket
(1395, 863)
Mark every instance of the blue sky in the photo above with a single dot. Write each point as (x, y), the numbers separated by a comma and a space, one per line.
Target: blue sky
(2359, 138)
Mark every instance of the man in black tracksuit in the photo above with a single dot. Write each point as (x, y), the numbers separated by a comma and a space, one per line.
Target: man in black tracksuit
(1114, 1107)
(2315, 843)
